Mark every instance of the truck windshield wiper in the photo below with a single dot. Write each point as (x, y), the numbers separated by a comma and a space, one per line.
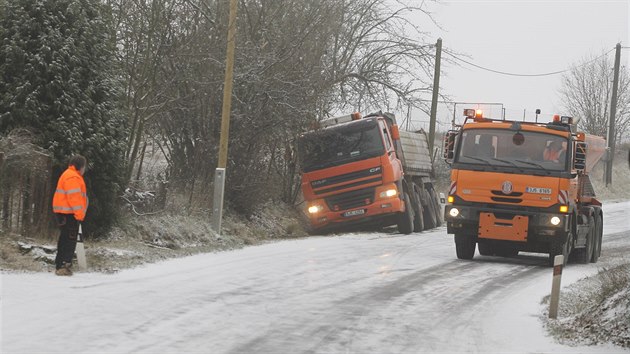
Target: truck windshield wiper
(506, 161)
(478, 159)
(326, 164)
(533, 164)
(321, 166)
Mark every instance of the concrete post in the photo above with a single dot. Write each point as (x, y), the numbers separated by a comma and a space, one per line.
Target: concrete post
(217, 201)
(555, 287)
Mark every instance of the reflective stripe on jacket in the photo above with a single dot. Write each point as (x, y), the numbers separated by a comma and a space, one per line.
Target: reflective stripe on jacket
(70, 196)
(551, 155)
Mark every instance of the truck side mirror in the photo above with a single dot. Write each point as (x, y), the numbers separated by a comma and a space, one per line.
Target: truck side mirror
(579, 158)
(449, 145)
(395, 132)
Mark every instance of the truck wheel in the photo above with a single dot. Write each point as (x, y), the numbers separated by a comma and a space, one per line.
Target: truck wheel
(561, 249)
(418, 220)
(405, 219)
(430, 220)
(464, 246)
(597, 242)
(584, 255)
(439, 215)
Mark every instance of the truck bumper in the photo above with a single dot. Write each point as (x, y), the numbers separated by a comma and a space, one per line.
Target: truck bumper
(528, 229)
(382, 213)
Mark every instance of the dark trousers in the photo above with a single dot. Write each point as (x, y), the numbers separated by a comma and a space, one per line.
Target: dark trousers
(69, 229)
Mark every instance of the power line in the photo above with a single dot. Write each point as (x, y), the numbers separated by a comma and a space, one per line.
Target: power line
(526, 75)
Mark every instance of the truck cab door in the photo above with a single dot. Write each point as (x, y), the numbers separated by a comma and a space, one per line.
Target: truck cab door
(392, 140)
(579, 157)
(449, 145)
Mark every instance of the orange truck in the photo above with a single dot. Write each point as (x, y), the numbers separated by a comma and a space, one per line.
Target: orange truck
(523, 186)
(365, 171)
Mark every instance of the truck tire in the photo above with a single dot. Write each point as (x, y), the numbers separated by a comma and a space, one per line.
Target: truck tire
(405, 219)
(439, 215)
(597, 242)
(465, 246)
(561, 249)
(430, 219)
(418, 220)
(584, 255)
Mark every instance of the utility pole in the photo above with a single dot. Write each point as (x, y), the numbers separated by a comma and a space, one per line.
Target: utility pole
(436, 87)
(219, 177)
(611, 121)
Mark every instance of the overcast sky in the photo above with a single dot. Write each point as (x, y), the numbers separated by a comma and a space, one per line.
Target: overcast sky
(522, 37)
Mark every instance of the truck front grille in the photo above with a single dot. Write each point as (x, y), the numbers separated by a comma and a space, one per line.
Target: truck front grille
(506, 200)
(513, 194)
(351, 200)
(347, 181)
(374, 171)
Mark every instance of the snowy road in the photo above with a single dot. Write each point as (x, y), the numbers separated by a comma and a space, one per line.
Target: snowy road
(355, 293)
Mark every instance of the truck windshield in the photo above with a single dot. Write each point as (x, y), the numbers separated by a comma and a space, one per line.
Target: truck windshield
(339, 145)
(513, 150)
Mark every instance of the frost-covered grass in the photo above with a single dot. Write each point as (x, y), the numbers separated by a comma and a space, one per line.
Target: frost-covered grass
(596, 309)
(145, 239)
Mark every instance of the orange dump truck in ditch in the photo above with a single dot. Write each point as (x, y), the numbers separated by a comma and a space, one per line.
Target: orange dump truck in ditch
(363, 170)
(523, 186)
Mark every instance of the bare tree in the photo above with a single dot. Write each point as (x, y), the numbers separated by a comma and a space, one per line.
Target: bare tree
(143, 30)
(378, 58)
(296, 61)
(587, 93)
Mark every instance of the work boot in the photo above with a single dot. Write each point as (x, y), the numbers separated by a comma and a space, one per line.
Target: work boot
(63, 271)
(68, 266)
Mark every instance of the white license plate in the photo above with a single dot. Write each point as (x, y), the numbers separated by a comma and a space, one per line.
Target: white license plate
(537, 190)
(354, 212)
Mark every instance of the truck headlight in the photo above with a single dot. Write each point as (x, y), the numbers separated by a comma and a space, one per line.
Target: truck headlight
(453, 212)
(314, 209)
(555, 221)
(388, 193)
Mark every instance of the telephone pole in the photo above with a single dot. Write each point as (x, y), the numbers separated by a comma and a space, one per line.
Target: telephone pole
(219, 177)
(611, 121)
(436, 87)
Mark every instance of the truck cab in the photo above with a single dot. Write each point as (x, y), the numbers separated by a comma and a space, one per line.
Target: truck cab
(353, 172)
(523, 186)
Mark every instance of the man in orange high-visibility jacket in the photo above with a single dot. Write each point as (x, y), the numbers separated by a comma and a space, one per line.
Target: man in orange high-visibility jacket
(70, 203)
(553, 152)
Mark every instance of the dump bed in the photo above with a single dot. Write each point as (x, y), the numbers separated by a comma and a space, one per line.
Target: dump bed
(416, 157)
(596, 148)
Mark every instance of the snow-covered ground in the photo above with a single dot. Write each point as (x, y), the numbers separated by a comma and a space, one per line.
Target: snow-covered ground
(357, 293)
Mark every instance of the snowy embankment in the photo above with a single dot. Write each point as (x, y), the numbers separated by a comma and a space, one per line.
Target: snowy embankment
(596, 309)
